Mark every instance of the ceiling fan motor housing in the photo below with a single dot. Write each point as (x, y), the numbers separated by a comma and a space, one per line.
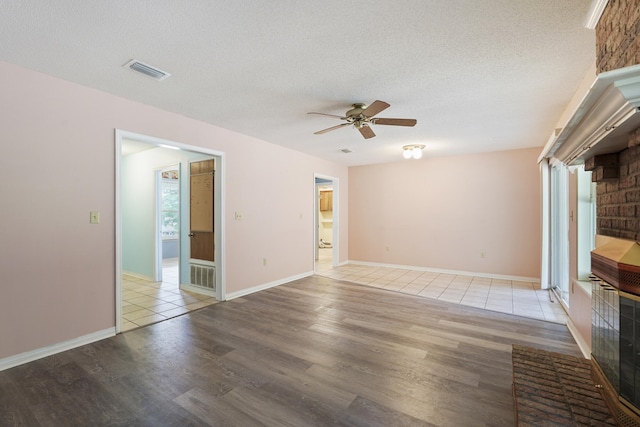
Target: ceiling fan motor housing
(356, 110)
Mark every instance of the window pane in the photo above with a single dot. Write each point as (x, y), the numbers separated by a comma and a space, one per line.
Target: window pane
(170, 215)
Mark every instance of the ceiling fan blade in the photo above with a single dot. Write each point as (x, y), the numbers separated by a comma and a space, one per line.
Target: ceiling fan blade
(394, 122)
(375, 108)
(330, 115)
(366, 131)
(320, 132)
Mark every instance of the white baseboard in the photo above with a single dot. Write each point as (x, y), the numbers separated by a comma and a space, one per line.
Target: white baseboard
(138, 276)
(198, 290)
(582, 344)
(264, 286)
(30, 356)
(441, 271)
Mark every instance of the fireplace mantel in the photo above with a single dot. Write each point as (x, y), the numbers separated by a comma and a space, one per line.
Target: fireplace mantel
(601, 122)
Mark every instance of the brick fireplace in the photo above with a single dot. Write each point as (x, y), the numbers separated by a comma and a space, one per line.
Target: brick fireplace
(616, 287)
(604, 134)
(616, 280)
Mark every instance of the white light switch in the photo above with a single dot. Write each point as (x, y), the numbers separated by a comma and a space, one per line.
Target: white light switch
(94, 217)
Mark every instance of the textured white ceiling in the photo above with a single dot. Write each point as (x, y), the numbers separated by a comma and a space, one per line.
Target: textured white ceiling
(478, 75)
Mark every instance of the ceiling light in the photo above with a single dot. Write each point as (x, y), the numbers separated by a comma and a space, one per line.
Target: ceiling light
(412, 151)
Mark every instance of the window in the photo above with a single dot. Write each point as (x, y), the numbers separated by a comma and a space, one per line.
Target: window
(586, 221)
(170, 208)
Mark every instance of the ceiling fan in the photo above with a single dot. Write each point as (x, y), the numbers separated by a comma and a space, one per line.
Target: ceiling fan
(362, 117)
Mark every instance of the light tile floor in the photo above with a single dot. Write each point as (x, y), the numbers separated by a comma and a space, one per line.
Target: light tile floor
(507, 296)
(145, 302)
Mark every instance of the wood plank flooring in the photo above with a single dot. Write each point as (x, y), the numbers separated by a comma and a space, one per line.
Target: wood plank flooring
(313, 352)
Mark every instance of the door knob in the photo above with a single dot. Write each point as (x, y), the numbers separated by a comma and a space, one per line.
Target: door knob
(192, 235)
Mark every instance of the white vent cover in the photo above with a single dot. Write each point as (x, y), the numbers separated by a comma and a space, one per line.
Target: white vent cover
(203, 276)
(147, 70)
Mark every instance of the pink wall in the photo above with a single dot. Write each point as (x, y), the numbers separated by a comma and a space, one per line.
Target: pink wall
(57, 271)
(442, 213)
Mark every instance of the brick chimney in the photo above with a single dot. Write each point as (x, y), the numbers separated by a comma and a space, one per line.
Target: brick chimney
(618, 197)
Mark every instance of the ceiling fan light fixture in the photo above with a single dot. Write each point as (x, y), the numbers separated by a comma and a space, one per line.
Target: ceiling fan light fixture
(412, 151)
(362, 117)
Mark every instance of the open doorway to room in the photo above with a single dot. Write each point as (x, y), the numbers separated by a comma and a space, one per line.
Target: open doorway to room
(326, 222)
(155, 274)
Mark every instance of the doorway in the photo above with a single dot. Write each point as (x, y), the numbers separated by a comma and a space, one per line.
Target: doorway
(325, 223)
(141, 224)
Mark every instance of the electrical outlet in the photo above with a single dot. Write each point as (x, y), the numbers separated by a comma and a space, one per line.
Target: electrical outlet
(387, 248)
(264, 262)
(238, 216)
(482, 254)
(94, 217)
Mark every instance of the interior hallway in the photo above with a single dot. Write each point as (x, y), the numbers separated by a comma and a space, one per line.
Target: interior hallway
(145, 302)
(506, 296)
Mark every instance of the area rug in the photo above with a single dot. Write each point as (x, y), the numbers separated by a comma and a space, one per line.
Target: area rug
(554, 389)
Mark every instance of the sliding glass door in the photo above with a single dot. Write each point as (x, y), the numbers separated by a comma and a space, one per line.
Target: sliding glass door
(559, 223)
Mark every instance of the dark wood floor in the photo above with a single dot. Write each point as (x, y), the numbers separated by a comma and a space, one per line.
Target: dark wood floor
(313, 352)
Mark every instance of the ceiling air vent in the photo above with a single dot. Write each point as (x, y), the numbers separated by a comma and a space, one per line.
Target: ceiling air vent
(147, 70)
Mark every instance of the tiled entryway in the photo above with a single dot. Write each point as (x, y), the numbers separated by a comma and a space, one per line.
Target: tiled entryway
(145, 302)
(506, 296)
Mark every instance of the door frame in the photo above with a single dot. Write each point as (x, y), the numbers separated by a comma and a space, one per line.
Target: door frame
(219, 217)
(335, 244)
